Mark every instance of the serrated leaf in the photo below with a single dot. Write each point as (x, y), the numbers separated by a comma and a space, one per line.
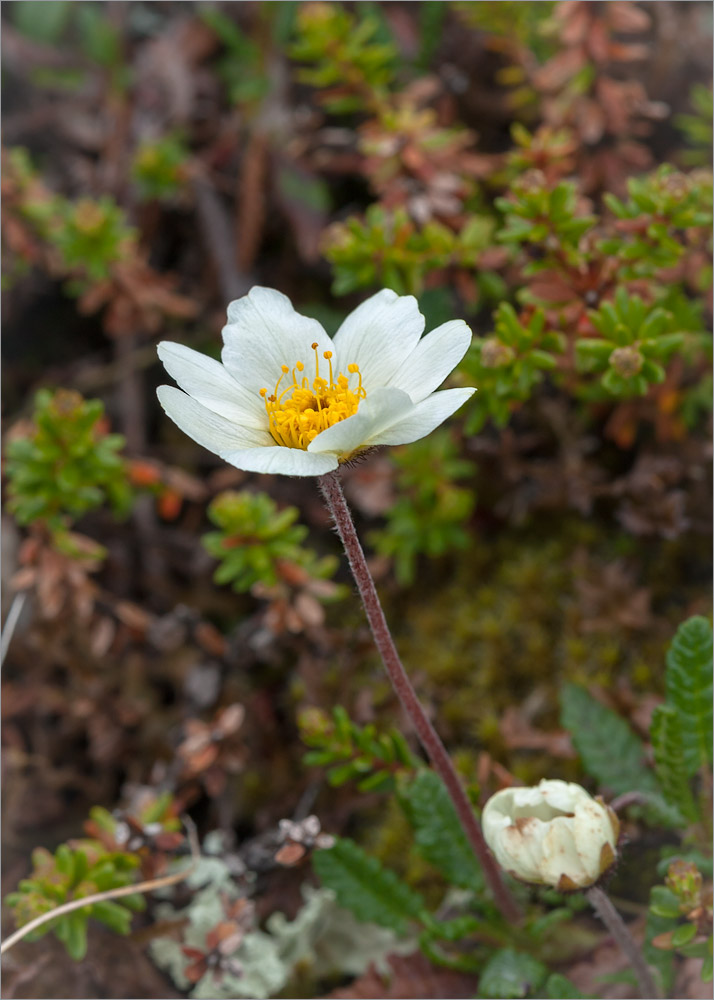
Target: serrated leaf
(511, 974)
(668, 745)
(611, 752)
(439, 835)
(689, 689)
(374, 894)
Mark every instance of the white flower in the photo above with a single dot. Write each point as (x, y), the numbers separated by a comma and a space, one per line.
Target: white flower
(290, 400)
(555, 834)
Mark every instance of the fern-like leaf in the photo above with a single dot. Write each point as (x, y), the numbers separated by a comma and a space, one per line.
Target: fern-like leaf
(373, 893)
(668, 745)
(438, 833)
(610, 751)
(689, 689)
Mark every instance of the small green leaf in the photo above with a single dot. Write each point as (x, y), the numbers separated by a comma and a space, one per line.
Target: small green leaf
(683, 934)
(115, 916)
(76, 939)
(695, 949)
(663, 902)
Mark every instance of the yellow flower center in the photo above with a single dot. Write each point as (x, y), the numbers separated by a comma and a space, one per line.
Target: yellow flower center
(298, 412)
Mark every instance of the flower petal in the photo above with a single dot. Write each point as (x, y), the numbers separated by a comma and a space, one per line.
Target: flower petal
(375, 415)
(263, 333)
(210, 384)
(283, 461)
(433, 358)
(206, 427)
(424, 417)
(562, 855)
(379, 335)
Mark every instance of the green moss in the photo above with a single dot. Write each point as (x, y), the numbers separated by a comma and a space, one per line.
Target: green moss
(510, 625)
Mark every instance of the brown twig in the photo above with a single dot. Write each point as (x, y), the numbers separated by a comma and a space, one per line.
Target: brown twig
(335, 500)
(219, 241)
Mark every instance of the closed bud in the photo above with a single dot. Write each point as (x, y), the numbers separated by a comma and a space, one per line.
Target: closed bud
(555, 834)
(495, 354)
(627, 361)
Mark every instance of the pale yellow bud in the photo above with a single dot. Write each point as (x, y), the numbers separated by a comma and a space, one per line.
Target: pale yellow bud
(555, 834)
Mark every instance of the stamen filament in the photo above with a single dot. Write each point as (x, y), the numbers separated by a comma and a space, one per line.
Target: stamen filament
(302, 410)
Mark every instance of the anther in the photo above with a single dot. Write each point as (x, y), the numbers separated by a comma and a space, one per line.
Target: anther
(327, 354)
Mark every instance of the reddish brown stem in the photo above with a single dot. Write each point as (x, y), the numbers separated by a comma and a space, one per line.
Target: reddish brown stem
(430, 740)
(604, 908)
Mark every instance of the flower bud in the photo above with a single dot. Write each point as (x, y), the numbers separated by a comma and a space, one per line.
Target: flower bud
(495, 354)
(627, 361)
(555, 834)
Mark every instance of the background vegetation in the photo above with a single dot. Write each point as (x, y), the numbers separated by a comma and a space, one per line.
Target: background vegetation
(182, 636)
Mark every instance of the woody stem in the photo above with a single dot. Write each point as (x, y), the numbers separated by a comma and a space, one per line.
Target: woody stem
(430, 740)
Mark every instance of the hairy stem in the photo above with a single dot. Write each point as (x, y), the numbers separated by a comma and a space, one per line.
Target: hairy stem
(430, 740)
(600, 902)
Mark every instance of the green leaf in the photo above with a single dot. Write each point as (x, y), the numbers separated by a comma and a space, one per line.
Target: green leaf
(511, 974)
(559, 987)
(76, 935)
(439, 835)
(668, 745)
(689, 689)
(115, 916)
(610, 750)
(683, 934)
(664, 903)
(373, 893)
(695, 949)
(42, 22)
(657, 958)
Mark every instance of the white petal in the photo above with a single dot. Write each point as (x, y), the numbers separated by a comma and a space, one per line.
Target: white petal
(206, 427)
(210, 384)
(424, 417)
(561, 855)
(280, 460)
(433, 358)
(375, 415)
(379, 335)
(523, 846)
(263, 333)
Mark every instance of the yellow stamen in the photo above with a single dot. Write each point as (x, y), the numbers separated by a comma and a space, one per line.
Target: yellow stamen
(299, 412)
